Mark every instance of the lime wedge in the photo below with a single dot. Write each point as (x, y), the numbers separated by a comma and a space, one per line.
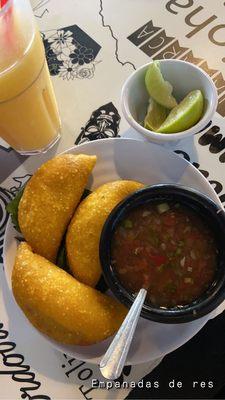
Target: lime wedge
(185, 115)
(158, 88)
(156, 115)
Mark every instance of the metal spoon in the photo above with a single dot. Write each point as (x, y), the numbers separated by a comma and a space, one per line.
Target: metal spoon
(112, 363)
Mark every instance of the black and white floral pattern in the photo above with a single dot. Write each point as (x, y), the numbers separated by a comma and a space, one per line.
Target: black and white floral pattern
(82, 55)
(70, 53)
(103, 123)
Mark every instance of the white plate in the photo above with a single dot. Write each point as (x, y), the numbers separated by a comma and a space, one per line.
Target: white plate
(150, 164)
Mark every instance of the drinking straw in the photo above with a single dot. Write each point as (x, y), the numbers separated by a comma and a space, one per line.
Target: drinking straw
(2, 3)
(8, 25)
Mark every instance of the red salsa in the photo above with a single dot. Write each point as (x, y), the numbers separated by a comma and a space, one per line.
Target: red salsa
(167, 249)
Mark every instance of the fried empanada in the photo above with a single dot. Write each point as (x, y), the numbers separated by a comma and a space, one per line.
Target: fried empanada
(49, 201)
(58, 305)
(83, 234)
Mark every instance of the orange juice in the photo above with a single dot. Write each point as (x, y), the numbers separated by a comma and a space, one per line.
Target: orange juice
(29, 119)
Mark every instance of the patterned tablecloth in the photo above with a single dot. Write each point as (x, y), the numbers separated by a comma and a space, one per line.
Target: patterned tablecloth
(92, 46)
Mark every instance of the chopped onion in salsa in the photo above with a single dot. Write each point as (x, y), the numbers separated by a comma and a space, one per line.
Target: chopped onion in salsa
(167, 249)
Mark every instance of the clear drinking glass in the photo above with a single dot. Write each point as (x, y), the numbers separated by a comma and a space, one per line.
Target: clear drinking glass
(29, 117)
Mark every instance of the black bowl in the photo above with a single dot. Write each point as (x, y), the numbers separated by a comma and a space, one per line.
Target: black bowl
(212, 214)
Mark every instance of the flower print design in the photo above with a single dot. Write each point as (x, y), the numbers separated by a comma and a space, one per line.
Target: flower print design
(60, 39)
(53, 61)
(103, 123)
(85, 72)
(70, 53)
(63, 54)
(82, 55)
(67, 70)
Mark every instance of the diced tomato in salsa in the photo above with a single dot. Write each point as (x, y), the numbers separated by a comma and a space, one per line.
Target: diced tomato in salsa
(169, 250)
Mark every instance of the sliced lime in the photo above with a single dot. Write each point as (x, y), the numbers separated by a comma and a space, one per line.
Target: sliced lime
(158, 88)
(185, 115)
(156, 115)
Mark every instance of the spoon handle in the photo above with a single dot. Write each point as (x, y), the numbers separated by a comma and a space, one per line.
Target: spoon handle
(114, 359)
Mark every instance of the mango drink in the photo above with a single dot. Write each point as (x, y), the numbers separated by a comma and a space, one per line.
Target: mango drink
(29, 119)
